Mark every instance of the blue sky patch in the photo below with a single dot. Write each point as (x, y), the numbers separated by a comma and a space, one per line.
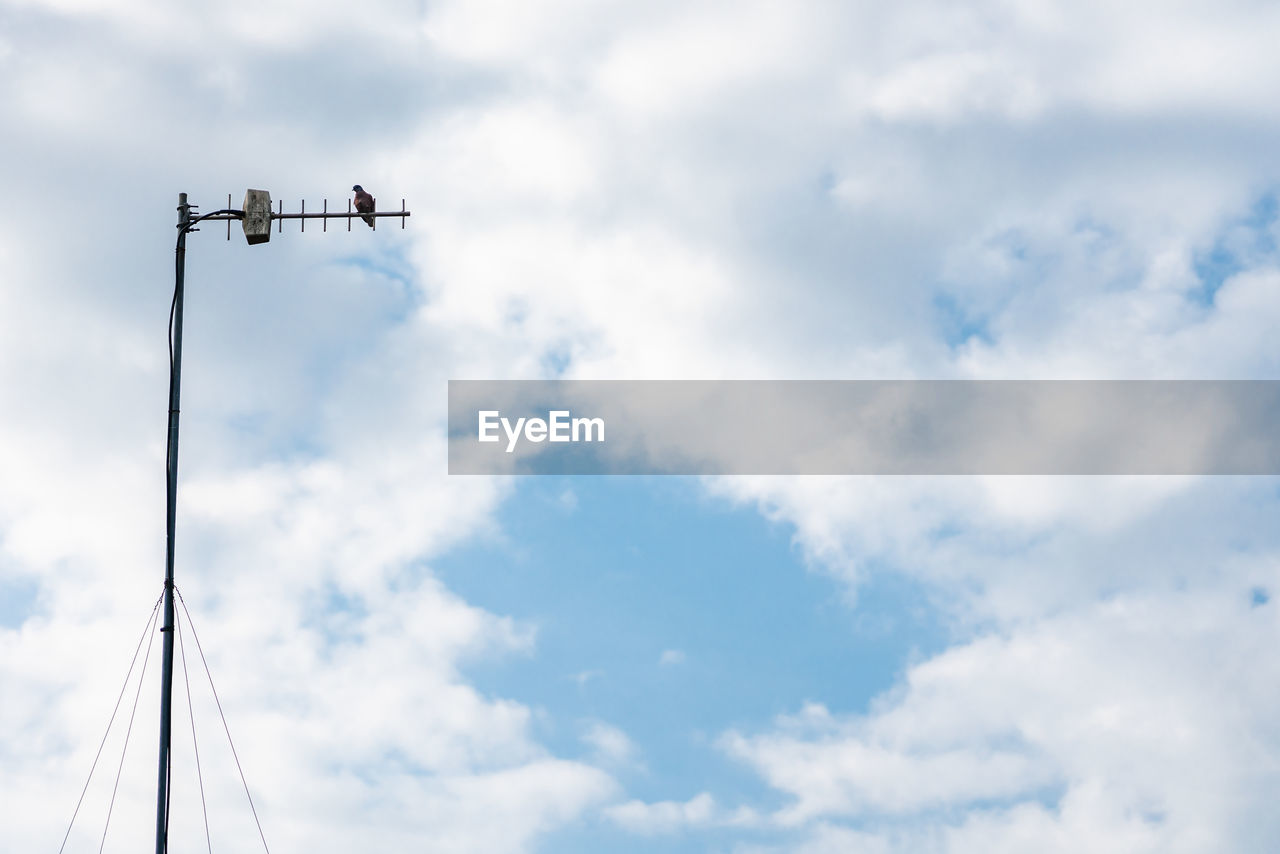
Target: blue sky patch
(675, 618)
(1243, 243)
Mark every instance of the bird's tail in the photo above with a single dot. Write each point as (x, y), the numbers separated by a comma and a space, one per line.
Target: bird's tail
(368, 220)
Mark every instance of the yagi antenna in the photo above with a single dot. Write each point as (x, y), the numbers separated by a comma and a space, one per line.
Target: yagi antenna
(256, 216)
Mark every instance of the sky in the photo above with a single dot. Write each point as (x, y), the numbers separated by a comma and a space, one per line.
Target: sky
(408, 661)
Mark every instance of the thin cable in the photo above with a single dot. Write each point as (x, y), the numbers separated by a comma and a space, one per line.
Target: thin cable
(124, 750)
(196, 747)
(196, 636)
(173, 310)
(154, 609)
(183, 229)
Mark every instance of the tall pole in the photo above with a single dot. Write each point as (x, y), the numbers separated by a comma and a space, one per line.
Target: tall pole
(166, 673)
(257, 220)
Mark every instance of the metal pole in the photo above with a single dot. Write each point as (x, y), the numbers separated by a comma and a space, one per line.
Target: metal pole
(166, 673)
(185, 223)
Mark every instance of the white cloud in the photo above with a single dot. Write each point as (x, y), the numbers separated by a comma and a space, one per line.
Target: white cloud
(671, 657)
(835, 776)
(1124, 715)
(673, 191)
(664, 817)
(568, 500)
(610, 745)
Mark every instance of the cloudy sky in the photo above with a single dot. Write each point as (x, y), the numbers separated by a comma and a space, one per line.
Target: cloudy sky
(1021, 189)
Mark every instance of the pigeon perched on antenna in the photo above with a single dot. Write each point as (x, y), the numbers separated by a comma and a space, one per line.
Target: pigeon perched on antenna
(365, 204)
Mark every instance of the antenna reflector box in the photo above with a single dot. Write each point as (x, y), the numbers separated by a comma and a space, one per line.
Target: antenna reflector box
(257, 216)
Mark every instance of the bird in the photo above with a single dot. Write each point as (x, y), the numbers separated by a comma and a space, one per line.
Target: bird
(364, 204)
